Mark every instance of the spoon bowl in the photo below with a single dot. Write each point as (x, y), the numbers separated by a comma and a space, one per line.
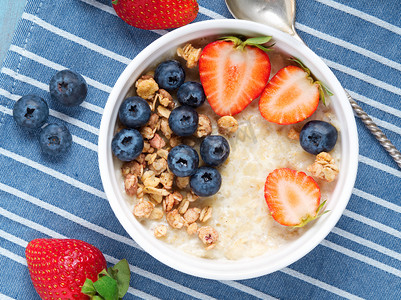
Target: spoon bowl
(277, 14)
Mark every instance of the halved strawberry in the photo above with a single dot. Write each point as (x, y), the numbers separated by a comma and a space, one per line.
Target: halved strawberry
(293, 197)
(233, 73)
(291, 96)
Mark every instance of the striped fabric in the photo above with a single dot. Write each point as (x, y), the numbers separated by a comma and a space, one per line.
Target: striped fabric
(360, 259)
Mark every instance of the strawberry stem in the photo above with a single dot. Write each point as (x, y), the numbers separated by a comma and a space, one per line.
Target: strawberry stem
(254, 42)
(115, 2)
(317, 215)
(111, 284)
(323, 90)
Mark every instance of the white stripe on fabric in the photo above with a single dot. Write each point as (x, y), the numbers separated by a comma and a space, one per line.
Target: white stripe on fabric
(45, 87)
(210, 13)
(75, 139)
(33, 164)
(320, 284)
(361, 15)
(361, 76)
(111, 10)
(362, 258)
(372, 223)
(4, 297)
(117, 237)
(57, 67)
(382, 167)
(369, 54)
(66, 215)
(111, 259)
(386, 125)
(76, 39)
(247, 289)
(84, 143)
(367, 243)
(376, 104)
(13, 239)
(30, 224)
(14, 257)
(377, 200)
(56, 114)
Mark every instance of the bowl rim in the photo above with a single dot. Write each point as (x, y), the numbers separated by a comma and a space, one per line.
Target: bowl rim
(244, 268)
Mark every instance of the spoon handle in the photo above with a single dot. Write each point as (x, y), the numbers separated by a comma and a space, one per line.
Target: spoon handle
(376, 131)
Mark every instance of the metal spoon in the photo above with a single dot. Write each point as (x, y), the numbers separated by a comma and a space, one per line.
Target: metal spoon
(281, 15)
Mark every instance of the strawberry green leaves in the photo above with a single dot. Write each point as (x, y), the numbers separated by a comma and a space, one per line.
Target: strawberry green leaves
(112, 284)
(254, 41)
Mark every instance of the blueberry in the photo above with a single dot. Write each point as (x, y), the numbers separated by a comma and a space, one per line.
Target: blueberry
(55, 139)
(134, 112)
(169, 75)
(205, 182)
(183, 120)
(191, 93)
(30, 111)
(183, 160)
(127, 144)
(68, 88)
(214, 150)
(318, 136)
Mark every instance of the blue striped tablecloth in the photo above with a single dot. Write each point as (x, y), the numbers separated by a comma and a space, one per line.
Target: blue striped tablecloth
(359, 40)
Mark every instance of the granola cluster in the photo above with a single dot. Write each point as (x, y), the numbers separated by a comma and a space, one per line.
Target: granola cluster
(160, 195)
(324, 167)
(190, 54)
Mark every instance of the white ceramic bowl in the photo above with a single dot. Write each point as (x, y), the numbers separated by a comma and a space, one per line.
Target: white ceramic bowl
(247, 268)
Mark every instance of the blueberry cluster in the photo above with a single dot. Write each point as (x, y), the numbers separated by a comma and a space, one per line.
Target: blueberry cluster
(182, 160)
(31, 111)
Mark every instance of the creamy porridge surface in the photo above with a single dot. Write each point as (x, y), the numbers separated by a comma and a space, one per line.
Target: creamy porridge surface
(240, 213)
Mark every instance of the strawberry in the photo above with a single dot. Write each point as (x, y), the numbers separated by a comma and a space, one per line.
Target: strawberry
(291, 95)
(233, 73)
(60, 268)
(293, 197)
(150, 14)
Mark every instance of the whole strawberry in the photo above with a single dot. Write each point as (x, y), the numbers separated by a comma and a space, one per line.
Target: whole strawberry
(150, 14)
(60, 268)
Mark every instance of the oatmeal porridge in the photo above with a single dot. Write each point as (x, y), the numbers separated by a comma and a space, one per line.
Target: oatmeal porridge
(234, 223)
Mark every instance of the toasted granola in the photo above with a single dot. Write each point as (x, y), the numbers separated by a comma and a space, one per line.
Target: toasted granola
(293, 134)
(160, 231)
(324, 167)
(143, 209)
(190, 54)
(146, 87)
(209, 236)
(204, 126)
(131, 184)
(227, 125)
(192, 215)
(174, 219)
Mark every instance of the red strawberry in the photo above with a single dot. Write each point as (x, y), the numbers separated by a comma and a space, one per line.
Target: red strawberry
(293, 197)
(59, 268)
(151, 14)
(233, 73)
(291, 96)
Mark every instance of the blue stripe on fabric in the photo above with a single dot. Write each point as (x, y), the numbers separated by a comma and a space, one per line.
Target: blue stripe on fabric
(386, 12)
